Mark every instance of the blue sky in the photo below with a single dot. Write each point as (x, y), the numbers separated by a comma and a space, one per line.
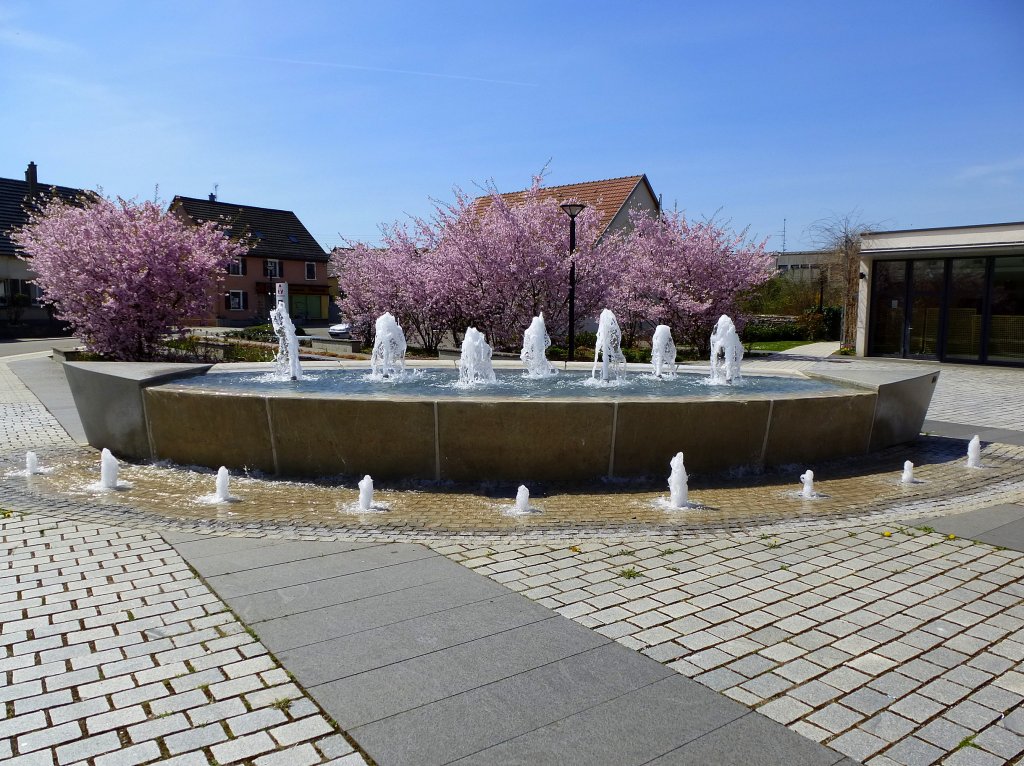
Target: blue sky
(353, 114)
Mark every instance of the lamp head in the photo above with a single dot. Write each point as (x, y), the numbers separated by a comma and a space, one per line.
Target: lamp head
(572, 209)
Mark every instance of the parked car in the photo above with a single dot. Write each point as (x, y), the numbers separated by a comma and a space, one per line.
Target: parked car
(340, 331)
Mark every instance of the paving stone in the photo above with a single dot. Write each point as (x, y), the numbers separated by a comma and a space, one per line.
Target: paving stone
(943, 733)
(303, 755)
(195, 738)
(130, 756)
(972, 756)
(888, 726)
(48, 737)
(835, 718)
(243, 747)
(81, 749)
(867, 701)
(914, 752)
(1000, 741)
(255, 721)
(857, 744)
(298, 731)
(785, 709)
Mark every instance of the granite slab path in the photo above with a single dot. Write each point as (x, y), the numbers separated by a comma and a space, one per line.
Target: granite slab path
(423, 661)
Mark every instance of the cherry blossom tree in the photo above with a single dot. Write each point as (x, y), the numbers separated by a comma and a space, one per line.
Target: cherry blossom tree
(404, 276)
(510, 261)
(684, 275)
(124, 274)
(487, 263)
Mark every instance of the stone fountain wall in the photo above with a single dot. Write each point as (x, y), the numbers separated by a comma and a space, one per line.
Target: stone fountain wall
(488, 438)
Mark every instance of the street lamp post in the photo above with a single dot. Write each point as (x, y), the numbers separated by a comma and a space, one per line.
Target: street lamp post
(572, 210)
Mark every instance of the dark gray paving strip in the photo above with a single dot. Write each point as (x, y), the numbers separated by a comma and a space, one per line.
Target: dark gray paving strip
(967, 431)
(426, 662)
(365, 614)
(997, 525)
(1007, 536)
(309, 570)
(401, 687)
(467, 723)
(341, 589)
(753, 740)
(212, 562)
(377, 648)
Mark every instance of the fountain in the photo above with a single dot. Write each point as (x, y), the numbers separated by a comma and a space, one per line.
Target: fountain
(31, 464)
(365, 493)
(566, 427)
(726, 353)
(974, 453)
(535, 343)
(808, 481)
(608, 348)
(388, 357)
(223, 494)
(663, 352)
(286, 363)
(679, 493)
(522, 499)
(908, 473)
(108, 470)
(475, 364)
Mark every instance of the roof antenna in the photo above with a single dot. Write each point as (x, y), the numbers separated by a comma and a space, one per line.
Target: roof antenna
(213, 195)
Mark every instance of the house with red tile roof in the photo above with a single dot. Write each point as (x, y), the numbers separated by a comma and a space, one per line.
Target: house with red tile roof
(612, 197)
(282, 250)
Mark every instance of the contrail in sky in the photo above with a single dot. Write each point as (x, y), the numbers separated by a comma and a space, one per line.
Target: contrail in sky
(335, 65)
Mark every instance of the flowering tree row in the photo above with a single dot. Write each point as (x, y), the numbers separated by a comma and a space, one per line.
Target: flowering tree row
(495, 265)
(124, 274)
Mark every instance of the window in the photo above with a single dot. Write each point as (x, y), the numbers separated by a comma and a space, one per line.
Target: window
(293, 239)
(236, 300)
(237, 267)
(310, 270)
(272, 268)
(9, 287)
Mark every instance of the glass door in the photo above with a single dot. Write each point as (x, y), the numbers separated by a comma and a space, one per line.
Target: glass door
(888, 308)
(924, 317)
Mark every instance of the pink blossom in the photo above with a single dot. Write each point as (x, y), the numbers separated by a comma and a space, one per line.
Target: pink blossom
(124, 274)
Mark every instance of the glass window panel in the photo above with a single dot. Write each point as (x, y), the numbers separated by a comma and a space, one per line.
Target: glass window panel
(966, 309)
(927, 278)
(1006, 331)
(887, 307)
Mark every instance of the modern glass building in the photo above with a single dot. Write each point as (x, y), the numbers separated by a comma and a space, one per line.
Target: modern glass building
(952, 294)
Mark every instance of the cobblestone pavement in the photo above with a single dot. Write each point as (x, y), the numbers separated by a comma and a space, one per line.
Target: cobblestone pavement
(891, 644)
(113, 653)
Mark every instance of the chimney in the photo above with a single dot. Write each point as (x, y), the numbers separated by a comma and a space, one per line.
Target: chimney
(213, 197)
(31, 180)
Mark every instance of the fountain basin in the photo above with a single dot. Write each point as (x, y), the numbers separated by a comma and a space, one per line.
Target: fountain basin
(489, 437)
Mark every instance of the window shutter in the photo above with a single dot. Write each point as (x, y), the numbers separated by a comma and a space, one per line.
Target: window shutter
(243, 259)
(227, 301)
(245, 300)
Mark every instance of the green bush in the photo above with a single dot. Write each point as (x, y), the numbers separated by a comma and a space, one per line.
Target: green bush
(770, 331)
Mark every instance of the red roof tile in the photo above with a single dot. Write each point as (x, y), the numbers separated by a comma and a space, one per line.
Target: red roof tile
(607, 196)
